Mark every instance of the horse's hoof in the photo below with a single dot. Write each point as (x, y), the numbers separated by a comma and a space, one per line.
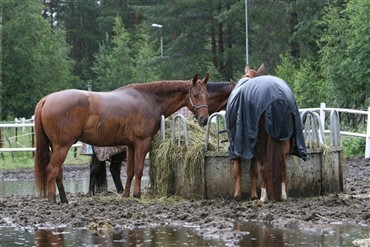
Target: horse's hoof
(137, 195)
(254, 198)
(263, 200)
(237, 198)
(52, 199)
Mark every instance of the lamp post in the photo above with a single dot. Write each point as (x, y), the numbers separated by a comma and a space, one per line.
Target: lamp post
(159, 26)
(246, 32)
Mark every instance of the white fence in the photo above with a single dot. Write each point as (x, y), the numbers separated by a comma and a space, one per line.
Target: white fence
(322, 111)
(23, 123)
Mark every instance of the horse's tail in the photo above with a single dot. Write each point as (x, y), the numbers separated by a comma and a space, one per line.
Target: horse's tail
(275, 167)
(42, 155)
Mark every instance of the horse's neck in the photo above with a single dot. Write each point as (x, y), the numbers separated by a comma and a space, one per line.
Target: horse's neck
(217, 100)
(171, 104)
(170, 96)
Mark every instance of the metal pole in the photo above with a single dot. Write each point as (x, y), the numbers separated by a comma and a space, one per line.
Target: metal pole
(161, 44)
(246, 32)
(159, 26)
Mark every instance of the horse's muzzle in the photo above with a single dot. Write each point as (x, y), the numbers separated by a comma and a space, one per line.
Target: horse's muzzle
(202, 121)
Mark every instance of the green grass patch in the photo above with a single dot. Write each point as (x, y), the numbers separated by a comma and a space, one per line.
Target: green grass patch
(17, 160)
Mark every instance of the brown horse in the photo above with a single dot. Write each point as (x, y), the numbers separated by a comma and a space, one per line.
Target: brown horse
(129, 116)
(263, 126)
(218, 93)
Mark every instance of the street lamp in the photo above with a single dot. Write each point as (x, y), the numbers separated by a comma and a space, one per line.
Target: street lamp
(246, 32)
(159, 26)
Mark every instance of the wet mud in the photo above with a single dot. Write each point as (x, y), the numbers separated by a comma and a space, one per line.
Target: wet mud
(210, 218)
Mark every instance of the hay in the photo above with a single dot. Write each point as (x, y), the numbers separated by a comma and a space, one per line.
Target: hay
(165, 157)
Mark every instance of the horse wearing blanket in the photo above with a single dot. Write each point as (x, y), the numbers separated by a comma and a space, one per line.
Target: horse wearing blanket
(263, 123)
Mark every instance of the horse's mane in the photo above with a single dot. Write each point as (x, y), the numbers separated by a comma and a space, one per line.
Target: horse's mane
(160, 86)
(214, 87)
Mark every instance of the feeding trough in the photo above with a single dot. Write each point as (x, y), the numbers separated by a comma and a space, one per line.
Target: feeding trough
(202, 169)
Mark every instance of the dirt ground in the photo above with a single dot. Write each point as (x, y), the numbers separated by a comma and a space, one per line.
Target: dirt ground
(210, 217)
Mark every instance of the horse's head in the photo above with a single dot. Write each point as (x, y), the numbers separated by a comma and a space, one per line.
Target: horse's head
(198, 97)
(248, 72)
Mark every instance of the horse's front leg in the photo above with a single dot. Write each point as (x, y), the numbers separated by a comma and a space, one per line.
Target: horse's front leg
(129, 170)
(253, 173)
(141, 149)
(237, 175)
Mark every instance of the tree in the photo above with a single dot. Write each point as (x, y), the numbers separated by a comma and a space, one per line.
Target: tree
(147, 65)
(113, 66)
(308, 86)
(35, 58)
(79, 17)
(344, 53)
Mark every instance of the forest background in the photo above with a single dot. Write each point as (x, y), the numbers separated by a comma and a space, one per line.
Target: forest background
(320, 47)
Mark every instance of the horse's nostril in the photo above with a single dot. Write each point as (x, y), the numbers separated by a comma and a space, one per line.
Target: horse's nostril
(202, 121)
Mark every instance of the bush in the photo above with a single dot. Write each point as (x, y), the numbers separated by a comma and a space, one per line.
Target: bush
(353, 147)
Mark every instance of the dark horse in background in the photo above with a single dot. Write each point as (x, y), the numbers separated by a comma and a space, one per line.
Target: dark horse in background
(98, 173)
(129, 116)
(218, 94)
(264, 126)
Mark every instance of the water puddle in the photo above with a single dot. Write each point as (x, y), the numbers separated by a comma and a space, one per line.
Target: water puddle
(164, 236)
(27, 187)
(264, 235)
(257, 235)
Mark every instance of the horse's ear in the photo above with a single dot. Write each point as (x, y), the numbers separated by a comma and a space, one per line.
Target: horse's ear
(195, 79)
(232, 81)
(205, 80)
(261, 69)
(246, 69)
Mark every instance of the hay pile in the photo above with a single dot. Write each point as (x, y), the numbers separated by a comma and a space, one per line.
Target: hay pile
(166, 156)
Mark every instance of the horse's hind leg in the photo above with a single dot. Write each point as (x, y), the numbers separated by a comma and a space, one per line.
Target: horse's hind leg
(55, 176)
(59, 181)
(253, 174)
(237, 175)
(259, 167)
(286, 151)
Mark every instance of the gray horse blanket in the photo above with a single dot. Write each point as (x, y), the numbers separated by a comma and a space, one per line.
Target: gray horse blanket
(267, 96)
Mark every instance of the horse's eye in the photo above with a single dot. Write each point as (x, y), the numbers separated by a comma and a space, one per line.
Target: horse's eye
(195, 96)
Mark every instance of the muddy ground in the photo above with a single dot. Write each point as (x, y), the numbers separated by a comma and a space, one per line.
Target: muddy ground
(214, 218)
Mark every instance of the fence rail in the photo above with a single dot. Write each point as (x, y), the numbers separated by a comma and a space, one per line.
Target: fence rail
(322, 111)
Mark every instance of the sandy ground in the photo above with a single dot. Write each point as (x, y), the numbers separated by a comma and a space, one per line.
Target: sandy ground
(210, 217)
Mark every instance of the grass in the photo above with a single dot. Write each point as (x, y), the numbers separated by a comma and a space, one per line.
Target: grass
(17, 160)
